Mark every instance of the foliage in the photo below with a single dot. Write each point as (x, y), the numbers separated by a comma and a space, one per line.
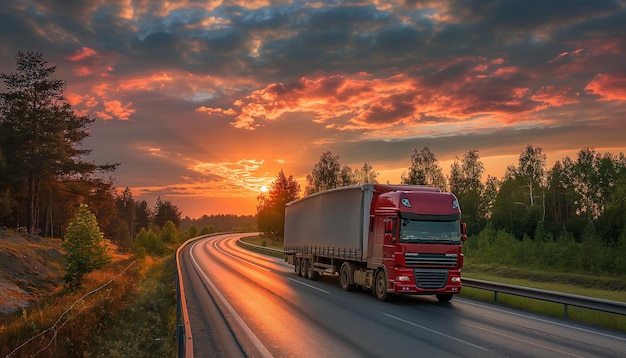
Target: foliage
(424, 170)
(271, 207)
(169, 234)
(44, 175)
(207, 224)
(366, 175)
(545, 252)
(465, 182)
(146, 326)
(326, 174)
(165, 211)
(85, 248)
(148, 242)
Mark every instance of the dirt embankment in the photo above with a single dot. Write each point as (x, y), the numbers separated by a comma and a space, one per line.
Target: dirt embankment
(31, 267)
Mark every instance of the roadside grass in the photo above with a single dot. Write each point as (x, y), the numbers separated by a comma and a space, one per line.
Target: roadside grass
(146, 327)
(593, 317)
(132, 316)
(273, 242)
(576, 284)
(608, 288)
(63, 324)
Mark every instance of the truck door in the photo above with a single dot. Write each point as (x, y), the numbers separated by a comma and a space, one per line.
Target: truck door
(377, 234)
(390, 228)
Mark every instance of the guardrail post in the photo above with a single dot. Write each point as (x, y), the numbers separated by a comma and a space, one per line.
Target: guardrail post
(565, 313)
(495, 296)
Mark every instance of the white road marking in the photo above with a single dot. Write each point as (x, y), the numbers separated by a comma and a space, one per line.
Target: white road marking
(238, 258)
(434, 331)
(307, 285)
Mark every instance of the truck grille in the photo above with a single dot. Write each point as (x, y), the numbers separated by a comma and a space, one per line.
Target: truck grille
(441, 260)
(430, 279)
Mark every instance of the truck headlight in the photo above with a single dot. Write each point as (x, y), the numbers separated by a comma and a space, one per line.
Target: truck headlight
(456, 279)
(403, 278)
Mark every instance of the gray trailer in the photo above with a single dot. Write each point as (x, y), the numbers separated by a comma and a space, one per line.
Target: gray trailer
(332, 224)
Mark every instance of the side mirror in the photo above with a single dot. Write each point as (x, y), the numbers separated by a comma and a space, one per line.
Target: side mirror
(463, 228)
(388, 223)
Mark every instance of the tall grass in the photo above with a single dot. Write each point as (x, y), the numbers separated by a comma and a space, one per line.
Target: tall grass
(133, 316)
(147, 326)
(63, 325)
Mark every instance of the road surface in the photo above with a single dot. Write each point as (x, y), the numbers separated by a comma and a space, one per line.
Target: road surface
(246, 304)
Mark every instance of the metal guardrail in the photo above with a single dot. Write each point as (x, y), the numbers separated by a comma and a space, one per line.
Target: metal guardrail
(183, 325)
(565, 299)
(260, 248)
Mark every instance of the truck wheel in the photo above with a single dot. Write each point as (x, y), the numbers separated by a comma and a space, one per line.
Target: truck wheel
(380, 286)
(303, 267)
(311, 274)
(345, 274)
(444, 297)
(297, 267)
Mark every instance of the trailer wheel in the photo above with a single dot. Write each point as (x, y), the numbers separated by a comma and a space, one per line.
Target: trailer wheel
(296, 267)
(444, 297)
(345, 274)
(311, 274)
(303, 267)
(380, 286)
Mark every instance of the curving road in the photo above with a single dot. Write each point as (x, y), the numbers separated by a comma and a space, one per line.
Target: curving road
(245, 304)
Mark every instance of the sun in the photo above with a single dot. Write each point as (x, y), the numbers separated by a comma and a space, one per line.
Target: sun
(264, 189)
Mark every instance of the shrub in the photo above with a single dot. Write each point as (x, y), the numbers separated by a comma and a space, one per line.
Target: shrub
(85, 248)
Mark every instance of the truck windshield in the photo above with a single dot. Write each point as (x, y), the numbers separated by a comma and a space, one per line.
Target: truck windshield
(430, 232)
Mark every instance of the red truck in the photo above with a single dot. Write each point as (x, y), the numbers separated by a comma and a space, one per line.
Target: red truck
(387, 238)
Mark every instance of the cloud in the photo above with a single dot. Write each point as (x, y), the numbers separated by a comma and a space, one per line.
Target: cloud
(610, 87)
(115, 109)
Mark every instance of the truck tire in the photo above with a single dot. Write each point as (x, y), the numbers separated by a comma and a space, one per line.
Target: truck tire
(444, 297)
(311, 274)
(346, 273)
(380, 286)
(303, 267)
(297, 267)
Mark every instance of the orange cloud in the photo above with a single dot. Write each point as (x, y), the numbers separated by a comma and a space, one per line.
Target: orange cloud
(611, 87)
(82, 54)
(116, 109)
(555, 97)
(461, 90)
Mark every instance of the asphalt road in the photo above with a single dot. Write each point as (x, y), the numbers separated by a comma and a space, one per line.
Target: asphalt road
(246, 304)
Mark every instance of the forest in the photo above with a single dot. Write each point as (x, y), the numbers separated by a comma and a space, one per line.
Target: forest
(570, 217)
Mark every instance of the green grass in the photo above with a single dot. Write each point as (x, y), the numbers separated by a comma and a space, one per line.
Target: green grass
(147, 325)
(558, 284)
(272, 242)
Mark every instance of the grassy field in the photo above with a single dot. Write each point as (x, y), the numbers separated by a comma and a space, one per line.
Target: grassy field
(608, 288)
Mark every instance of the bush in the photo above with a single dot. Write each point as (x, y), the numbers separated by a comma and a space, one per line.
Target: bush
(85, 248)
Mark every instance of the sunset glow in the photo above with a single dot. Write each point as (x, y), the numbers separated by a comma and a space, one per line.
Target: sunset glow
(204, 103)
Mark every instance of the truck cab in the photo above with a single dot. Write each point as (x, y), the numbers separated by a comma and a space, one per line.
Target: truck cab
(415, 242)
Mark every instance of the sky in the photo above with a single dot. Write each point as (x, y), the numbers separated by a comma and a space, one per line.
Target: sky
(203, 102)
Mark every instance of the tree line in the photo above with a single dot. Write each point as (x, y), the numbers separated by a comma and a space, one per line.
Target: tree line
(576, 205)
